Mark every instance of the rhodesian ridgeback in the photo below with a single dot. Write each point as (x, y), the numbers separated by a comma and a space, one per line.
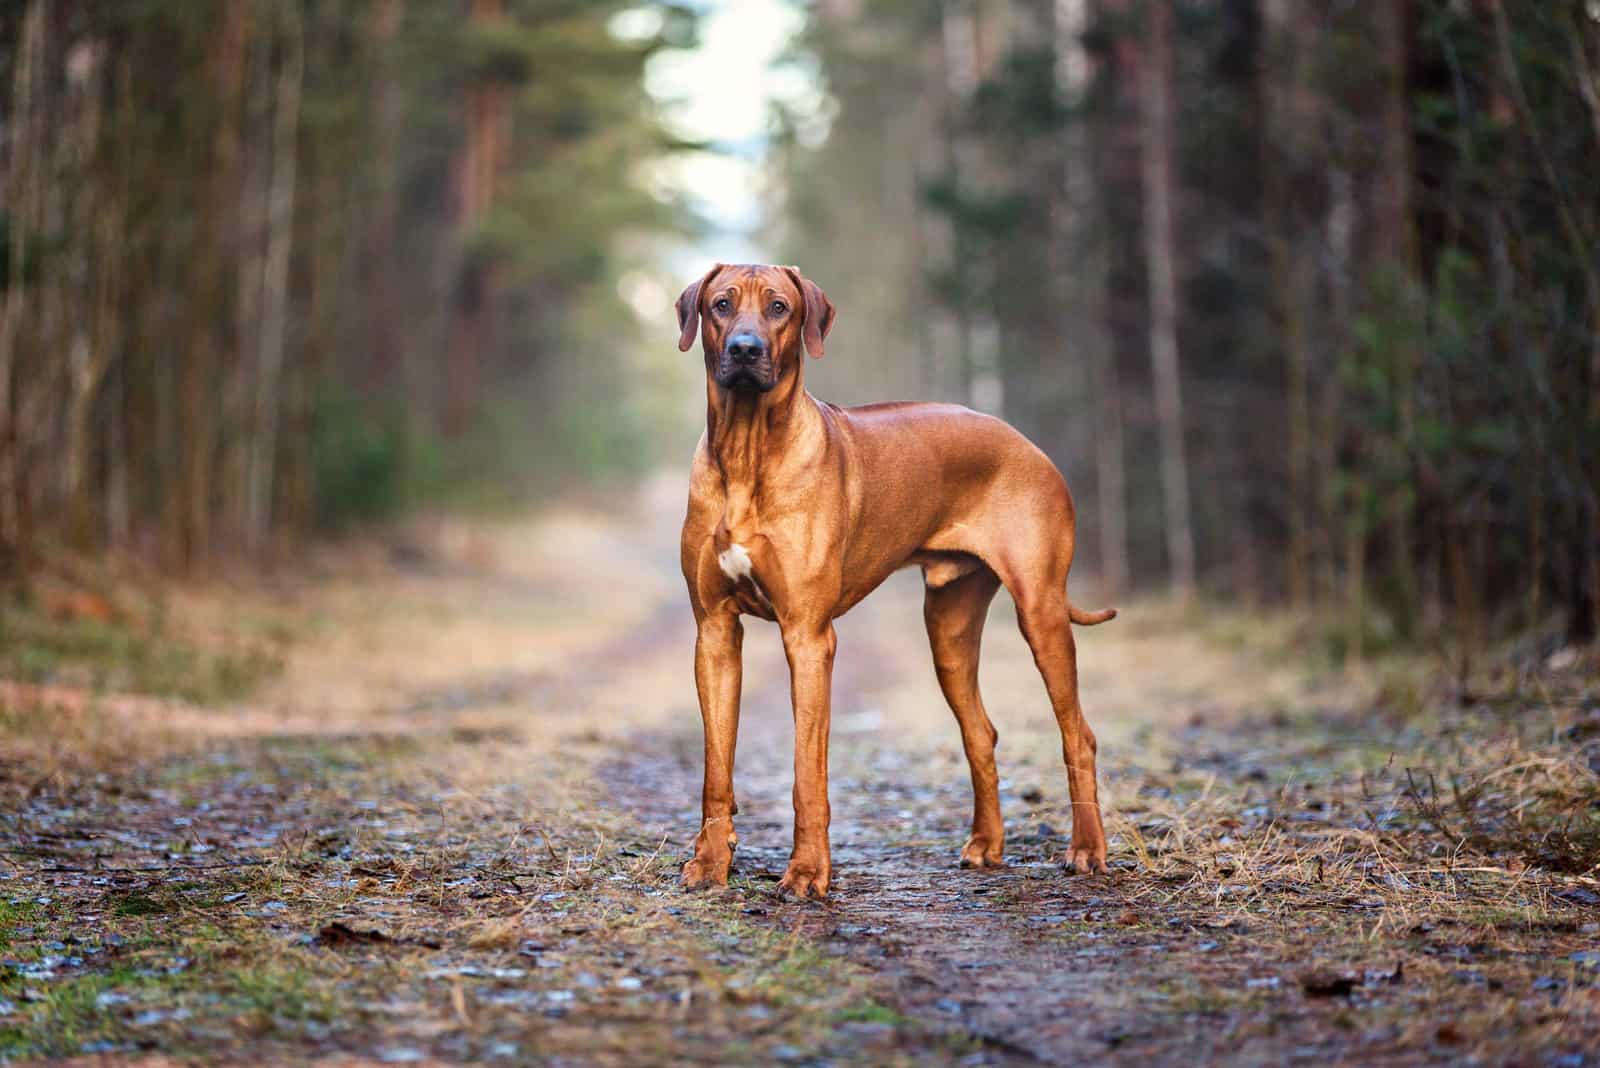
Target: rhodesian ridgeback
(798, 509)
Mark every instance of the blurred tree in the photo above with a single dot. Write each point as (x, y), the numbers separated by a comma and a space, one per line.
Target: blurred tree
(1161, 265)
(478, 174)
(1376, 249)
(227, 225)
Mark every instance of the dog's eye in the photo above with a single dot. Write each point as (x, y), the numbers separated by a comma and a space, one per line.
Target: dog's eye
(779, 307)
(722, 305)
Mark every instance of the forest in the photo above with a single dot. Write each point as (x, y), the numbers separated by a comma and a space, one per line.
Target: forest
(352, 708)
(1304, 298)
(274, 266)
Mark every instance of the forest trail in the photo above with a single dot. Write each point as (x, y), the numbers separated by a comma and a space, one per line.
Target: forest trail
(450, 831)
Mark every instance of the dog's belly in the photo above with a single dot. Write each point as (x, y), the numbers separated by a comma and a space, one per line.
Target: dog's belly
(940, 568)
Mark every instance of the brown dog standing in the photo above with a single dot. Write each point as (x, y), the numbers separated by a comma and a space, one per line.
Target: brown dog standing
(798, 509)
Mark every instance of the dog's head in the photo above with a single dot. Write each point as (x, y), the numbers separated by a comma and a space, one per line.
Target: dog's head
(755, 318)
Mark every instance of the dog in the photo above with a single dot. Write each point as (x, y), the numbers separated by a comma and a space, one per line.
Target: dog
(798, 509)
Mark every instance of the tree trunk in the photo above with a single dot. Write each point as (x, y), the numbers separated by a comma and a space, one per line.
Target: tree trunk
(203, 353)
(383, 284)
(1289, 109)
(1115, 208)
(958, 38)
(124, 309)
(91, 259)
(275, 288)
(23, 184)
(473, 296)
(1081, 202)
(1394, 228)
(238, 392)
(1161, 267)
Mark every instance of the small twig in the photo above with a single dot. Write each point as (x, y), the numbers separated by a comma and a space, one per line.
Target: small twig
(1458, 871)
(507, 876)
(62, 868)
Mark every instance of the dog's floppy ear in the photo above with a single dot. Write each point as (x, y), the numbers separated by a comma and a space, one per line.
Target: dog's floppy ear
(819, 312)
(689, 310)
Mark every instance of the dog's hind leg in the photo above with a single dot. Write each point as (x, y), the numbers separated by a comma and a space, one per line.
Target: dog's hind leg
(1043, 614)
(955, 613)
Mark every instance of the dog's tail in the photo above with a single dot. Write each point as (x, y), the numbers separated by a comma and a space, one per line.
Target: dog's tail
(1088, 619)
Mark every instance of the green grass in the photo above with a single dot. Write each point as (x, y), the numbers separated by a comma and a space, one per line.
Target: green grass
(69, 1013)
(12, 916)
(181, 896)
(277, 990)
(139, 903)
(872, 1012)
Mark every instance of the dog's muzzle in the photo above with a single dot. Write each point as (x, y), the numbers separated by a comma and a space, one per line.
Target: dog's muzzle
(746, 362)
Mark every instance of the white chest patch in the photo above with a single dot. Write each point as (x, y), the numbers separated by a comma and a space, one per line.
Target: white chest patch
(735, 562)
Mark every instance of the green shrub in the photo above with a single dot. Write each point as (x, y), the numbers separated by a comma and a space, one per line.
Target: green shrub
(358, 461)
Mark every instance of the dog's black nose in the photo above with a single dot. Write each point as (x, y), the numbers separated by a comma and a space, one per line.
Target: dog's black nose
(746, 348)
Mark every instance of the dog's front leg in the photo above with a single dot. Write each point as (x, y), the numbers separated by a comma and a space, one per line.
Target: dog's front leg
(810, 648)
(718, 672)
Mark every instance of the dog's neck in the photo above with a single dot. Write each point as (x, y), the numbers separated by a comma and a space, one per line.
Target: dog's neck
(746, 432)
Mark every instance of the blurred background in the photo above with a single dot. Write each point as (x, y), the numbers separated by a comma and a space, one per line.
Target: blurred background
(1303, 298)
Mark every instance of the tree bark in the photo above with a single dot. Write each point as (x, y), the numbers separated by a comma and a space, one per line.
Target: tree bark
(23, 182)
(473, 298)
(383, 285)
(275, 287)
(1116, 206)
(1082, 204)
(97, 281)
(958, 38)
(1161, 266)
(1395, 247)
(191, 506)
(1289, 108)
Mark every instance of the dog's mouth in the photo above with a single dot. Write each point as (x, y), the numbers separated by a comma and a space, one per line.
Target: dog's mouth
(737, 377)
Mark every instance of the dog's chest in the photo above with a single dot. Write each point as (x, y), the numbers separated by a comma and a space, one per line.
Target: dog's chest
(739, 569)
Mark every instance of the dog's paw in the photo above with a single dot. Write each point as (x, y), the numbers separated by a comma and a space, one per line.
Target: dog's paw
(706, 871)
(805, 880)
(1091, 859)
(979, 852)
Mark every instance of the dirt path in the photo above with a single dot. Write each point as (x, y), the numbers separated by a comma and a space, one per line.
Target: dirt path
(451, 832)
(956, 951)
